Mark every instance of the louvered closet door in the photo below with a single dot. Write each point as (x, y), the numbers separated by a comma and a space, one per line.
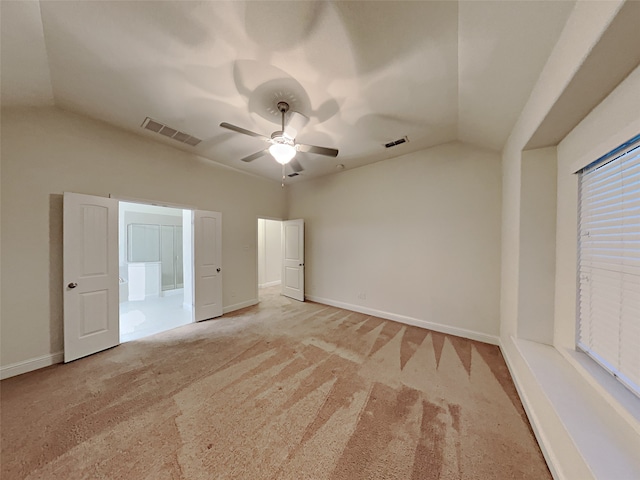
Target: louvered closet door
(609, 263)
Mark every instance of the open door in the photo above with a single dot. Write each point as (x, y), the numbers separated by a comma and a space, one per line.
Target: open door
(90, 278)
(208, 264)
(293, 259)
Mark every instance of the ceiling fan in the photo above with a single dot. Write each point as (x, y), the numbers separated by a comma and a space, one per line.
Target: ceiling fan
(283, 146)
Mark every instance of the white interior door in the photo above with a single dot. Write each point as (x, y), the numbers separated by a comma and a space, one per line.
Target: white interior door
(293, 259)
(91, 288)
(208, 264)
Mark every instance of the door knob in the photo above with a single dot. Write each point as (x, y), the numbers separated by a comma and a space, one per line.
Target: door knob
(218, 269)
(72, 285)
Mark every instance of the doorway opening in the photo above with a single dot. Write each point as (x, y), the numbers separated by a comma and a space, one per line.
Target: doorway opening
(269, 256)
(155, 269)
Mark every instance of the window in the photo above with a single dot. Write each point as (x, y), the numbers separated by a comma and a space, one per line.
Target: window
(609, 263)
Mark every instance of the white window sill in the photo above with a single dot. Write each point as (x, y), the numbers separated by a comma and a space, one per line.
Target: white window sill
(573, 419)
(617, 395)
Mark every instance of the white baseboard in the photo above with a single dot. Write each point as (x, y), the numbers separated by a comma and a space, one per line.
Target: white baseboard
(238, 306)
(32, 364)
(416, 322)
(269, 284)
(29, 365)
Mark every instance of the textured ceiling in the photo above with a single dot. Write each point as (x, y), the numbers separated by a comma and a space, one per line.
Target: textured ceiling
(365, 73)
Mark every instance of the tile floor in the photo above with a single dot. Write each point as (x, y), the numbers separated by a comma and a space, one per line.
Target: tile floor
(154, 315)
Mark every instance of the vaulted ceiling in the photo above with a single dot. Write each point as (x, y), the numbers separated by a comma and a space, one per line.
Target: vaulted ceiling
(365, 73)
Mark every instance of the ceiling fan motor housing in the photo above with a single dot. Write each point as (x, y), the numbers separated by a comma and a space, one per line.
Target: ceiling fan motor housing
(283, 107)
(280, 137)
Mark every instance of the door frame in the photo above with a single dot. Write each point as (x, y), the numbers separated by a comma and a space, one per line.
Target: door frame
(157, 203)
(257, 282)
(161, 203)
(192, 244)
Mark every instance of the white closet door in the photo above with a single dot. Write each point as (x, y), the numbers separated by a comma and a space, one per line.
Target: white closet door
(293, 259)
(208, 264)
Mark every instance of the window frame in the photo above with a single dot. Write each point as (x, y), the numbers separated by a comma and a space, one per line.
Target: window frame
(632, 145)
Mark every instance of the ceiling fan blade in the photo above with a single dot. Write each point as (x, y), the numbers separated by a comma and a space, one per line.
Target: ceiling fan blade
(330, 152)
(244, 130)
(295, 166)
(295, 123)
(253, 156)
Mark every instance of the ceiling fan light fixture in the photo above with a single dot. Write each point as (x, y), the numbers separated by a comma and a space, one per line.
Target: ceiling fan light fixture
(283, 143)
(282, 152)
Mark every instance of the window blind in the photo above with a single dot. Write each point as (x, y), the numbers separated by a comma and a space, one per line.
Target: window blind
(609, 263)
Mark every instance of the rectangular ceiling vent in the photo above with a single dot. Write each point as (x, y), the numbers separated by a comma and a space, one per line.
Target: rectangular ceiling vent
(294, 174)
(172, 133)
(402, 140)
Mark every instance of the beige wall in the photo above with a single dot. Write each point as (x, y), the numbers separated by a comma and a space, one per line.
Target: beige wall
(510, 242)
(46, 152)
(416, 237)
(536, 285)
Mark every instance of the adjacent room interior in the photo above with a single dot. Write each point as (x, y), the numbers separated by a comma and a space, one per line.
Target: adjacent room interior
(269, 254)
(153, 269)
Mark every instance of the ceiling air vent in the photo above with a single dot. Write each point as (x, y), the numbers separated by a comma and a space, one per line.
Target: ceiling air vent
(294, 174)
(172, 133)
(404, 139)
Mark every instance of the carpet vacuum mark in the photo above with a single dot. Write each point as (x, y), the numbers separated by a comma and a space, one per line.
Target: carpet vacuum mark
(282, 390)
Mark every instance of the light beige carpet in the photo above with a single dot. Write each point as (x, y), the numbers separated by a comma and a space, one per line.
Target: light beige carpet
(283, 390)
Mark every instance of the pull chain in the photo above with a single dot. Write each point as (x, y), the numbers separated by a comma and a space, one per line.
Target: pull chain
(283, 175)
